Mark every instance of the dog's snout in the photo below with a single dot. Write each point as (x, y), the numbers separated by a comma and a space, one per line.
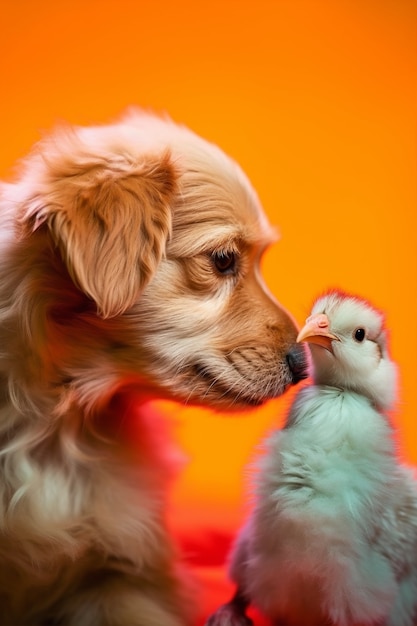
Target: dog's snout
(297, 362)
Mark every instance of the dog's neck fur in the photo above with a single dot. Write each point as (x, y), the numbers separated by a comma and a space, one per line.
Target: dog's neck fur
(59, 421)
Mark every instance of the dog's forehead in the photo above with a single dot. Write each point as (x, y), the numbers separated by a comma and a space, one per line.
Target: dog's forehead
(216, 214)
(217, 204)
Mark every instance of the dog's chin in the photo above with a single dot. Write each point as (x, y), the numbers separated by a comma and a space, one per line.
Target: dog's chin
(223, 392)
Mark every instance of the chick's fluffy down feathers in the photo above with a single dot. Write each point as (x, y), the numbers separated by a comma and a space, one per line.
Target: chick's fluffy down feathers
(332, 538)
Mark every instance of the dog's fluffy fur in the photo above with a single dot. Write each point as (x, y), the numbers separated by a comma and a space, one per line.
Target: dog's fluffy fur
(129, 260)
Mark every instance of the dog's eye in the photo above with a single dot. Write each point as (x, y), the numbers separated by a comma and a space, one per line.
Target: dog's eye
(225, 262)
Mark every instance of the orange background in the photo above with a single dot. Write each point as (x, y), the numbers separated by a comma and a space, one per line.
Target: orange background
(316, 100)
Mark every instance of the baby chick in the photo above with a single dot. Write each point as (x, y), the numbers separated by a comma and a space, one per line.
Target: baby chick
(332, 539)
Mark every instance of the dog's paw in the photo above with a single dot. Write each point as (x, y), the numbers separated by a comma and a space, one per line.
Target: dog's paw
(229, 615)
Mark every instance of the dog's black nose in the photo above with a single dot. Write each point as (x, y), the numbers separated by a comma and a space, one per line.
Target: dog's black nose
(297, 362)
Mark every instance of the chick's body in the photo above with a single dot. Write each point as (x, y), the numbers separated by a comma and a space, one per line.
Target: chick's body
(333, 535)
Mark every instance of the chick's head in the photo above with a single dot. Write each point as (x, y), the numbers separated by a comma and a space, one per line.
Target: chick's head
(349, 347)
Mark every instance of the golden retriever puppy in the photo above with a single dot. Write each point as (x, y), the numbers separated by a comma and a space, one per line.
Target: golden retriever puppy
(129, 261)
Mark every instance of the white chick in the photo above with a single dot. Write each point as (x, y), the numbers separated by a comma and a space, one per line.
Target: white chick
(332, 538)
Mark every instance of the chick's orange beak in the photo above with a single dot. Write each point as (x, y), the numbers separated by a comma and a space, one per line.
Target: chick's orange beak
(317, 330)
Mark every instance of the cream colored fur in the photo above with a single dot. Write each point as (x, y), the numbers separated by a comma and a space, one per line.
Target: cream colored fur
(129, 271)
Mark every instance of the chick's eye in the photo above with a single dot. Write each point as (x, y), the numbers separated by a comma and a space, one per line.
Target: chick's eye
(359, 334)
(225, 262)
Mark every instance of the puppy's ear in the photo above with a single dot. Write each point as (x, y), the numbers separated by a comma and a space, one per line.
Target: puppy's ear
(111, 221)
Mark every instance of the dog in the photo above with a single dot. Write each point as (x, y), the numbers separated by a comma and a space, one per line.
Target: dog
(129, 271)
